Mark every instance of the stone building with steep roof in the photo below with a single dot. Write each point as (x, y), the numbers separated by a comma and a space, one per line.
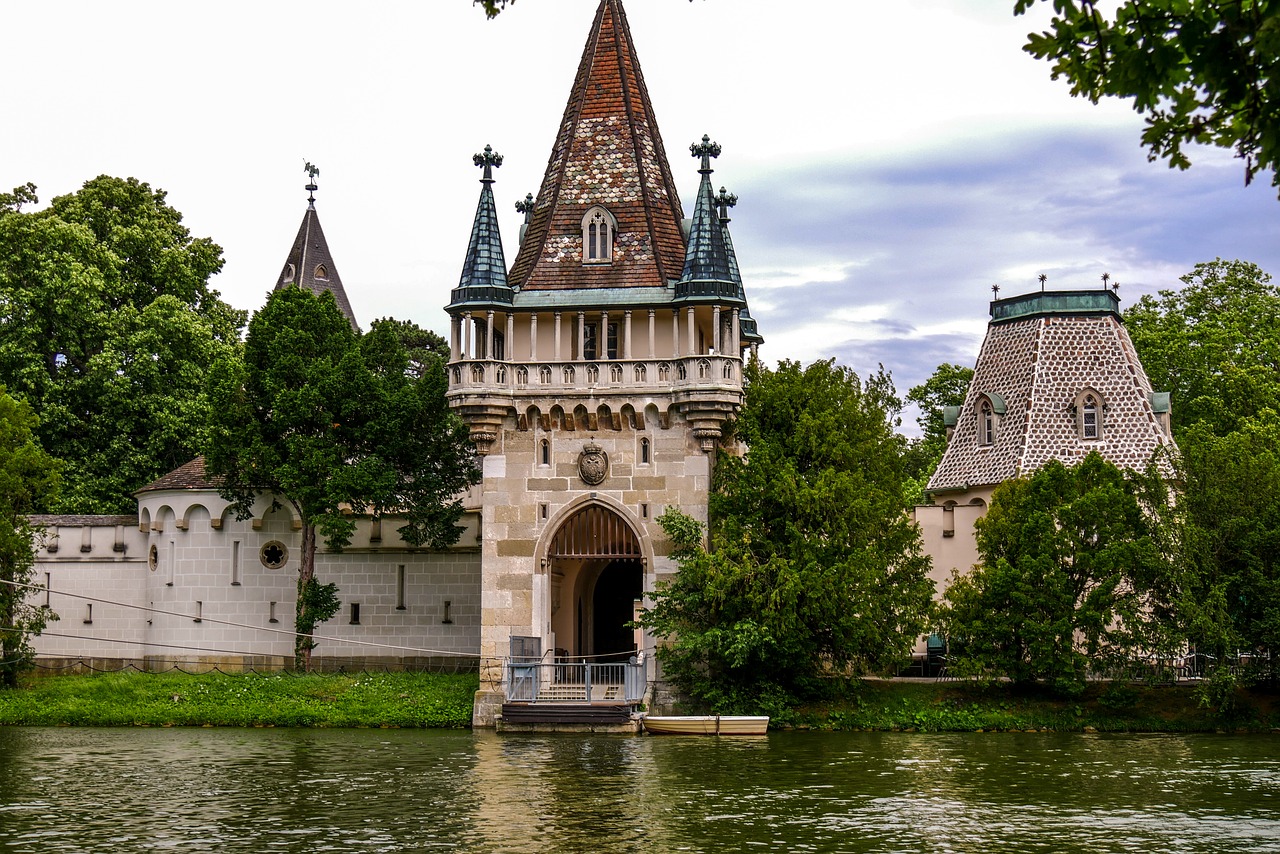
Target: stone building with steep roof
(596, 374)
(1057, 377)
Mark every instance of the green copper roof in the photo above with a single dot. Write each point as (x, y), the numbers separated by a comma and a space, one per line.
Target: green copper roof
(746, 323)
(484, 272)
(707, 271)
(1043, 303)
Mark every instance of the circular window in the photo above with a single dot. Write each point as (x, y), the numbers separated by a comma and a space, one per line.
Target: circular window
(153, 558)
(273, 554)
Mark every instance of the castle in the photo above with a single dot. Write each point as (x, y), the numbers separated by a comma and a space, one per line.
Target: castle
(596, 374)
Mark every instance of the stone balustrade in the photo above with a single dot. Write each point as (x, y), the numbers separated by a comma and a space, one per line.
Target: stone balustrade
(706, 372)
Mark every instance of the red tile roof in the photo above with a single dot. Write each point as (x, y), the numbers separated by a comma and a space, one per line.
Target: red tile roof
(189, 476)
(608, 152)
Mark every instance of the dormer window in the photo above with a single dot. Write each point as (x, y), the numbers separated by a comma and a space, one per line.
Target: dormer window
(598, 227)
(289, 273)
(1089, 415)
(990, 408)
(986, 424)
(322, 273)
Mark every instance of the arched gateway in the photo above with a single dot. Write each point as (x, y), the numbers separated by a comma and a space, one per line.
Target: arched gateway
(596, 568)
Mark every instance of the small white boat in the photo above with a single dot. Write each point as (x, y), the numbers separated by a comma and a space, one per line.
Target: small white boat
(706, 724)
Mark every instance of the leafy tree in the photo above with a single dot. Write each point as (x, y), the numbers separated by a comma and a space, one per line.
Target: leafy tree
(28, 476)
(326, 420)
(812, 566)
(947, 386)
(1225, 587)
(1200, 71)
(108, 328)
(1066, 556)
(1214, 344)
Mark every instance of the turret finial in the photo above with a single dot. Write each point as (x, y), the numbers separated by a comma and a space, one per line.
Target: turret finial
(312, 170)
(526, 207)
(490, 160)
(725, 201)
(706, 150)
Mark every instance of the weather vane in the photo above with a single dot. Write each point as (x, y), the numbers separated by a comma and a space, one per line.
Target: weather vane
(312, 170)
(706, 150)
(995, 289)
(1043, 279)
(1106, 277)
(490, 160)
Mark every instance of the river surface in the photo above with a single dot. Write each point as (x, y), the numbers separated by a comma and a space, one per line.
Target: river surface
(265, 790)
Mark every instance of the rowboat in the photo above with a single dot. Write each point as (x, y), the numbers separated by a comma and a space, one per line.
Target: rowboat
(706, 724)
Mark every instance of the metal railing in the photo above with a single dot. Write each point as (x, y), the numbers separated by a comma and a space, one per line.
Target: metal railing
(575, 682)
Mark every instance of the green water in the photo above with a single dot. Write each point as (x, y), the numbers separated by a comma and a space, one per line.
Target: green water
(84, 790)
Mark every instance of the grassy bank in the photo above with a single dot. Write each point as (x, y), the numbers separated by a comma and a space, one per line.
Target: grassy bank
(217, 699)
(1104, 707)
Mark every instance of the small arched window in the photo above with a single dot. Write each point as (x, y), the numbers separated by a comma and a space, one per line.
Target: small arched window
(544, 452)
(1088, 406)
(598, 227)
(322, 272)
(645, 452)
(986, 424)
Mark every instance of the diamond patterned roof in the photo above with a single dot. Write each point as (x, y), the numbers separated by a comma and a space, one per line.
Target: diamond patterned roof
(607, 152)
(1039, 363)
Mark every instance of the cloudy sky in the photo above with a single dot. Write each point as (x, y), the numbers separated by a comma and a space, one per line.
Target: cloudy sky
(892, 160)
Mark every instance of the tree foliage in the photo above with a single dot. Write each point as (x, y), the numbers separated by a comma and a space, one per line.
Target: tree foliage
(28, 478)
(329, 421)
(1067, 556)
(1213, 343)
(947, 386)
(1225, 588)
(812, 566)
(1200, 71)
(108, 328)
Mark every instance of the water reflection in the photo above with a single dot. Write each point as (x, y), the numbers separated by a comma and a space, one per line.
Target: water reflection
(75, 790)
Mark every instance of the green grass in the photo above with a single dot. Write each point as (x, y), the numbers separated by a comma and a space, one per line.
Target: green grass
(965, 707)
(217, 699)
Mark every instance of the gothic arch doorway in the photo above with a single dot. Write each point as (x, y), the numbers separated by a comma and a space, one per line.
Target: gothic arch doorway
(597, 576)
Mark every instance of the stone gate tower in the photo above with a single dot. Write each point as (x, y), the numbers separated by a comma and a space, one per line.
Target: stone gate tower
(598, 372)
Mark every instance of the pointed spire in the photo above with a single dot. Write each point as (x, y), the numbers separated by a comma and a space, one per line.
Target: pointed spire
(484, 271)
(310, 263)
(706, 261)
(608, 153)
(750, 330)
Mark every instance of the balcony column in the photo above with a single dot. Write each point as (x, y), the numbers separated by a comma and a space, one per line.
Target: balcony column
(735, 333)
(466, 335)
(716, 344)
(455, 333)
(602, 345)
(509, 348)
(652, 351)
(488, 334)
(675, 333)
(626, 334)
(582, 337)
(533, 336)
(691, 343)
(557, 353)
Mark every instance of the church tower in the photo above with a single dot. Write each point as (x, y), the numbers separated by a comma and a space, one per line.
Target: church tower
(310, 263)
(597, 373)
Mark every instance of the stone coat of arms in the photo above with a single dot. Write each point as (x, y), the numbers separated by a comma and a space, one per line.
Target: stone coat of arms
(593, 464)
